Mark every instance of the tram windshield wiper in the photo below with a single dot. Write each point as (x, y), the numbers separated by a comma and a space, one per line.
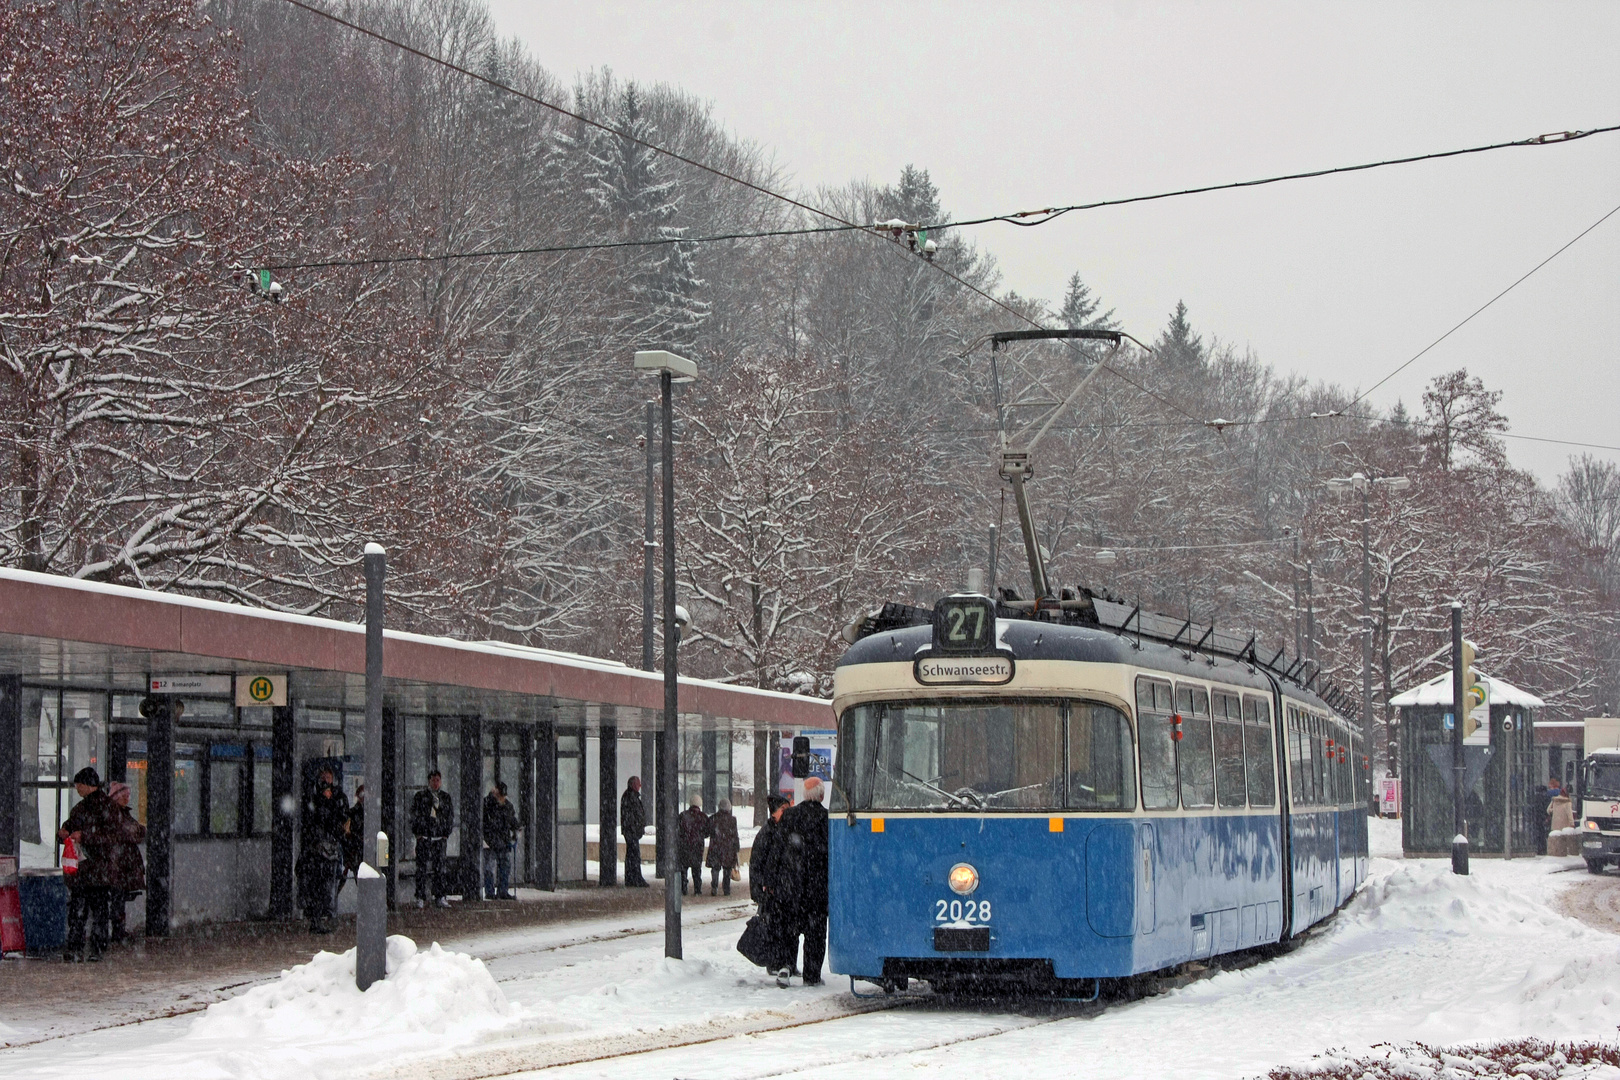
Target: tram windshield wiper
(956, 799)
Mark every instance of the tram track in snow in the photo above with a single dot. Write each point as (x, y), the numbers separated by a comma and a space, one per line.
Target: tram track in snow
(1027, 1012)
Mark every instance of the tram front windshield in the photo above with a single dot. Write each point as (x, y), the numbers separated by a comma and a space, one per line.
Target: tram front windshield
(977, 755)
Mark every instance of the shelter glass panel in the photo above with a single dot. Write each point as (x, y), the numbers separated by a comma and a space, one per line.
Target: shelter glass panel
(188, 782)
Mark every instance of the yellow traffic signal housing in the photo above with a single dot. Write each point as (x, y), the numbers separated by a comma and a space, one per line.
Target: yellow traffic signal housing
(1474, 693)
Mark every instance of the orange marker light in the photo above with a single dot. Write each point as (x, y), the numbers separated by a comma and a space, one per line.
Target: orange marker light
(1054, 824)
(877, 824)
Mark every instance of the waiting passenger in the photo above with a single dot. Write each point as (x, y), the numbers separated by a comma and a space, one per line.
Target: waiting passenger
(354, 835)
(500, 833)
(320, 863)
(129, 869)
(722, 861)
(433, 816)
(693, 830)
(805, 848)
(632, 823)
(94, 830)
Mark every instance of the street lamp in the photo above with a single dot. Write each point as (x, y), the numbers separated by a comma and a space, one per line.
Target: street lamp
(670, 369)
(1360, 482)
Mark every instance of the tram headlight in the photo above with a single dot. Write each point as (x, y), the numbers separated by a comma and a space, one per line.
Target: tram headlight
(963, 879)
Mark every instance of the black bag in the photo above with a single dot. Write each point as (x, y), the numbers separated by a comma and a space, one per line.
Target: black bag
(758, 943)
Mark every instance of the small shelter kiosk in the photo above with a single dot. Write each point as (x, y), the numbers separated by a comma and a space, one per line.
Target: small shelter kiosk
(1499, 777)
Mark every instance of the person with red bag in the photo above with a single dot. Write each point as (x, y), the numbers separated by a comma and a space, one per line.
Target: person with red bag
(91, 828)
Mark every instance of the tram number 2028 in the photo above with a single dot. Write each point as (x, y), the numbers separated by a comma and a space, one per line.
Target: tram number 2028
(962, 911)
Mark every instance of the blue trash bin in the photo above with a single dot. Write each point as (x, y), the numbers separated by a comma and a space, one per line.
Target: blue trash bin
(44, 910)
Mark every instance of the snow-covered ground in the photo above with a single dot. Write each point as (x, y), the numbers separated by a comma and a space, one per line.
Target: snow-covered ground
(1420, 955)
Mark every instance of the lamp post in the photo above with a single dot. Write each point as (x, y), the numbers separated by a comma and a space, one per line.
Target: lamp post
(371, 916)
(670, 369)
(1362, 484)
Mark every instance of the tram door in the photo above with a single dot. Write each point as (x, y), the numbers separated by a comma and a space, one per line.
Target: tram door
(508, 750)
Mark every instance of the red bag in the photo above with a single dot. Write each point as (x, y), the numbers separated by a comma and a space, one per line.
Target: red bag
(11, 924)
(70, 857)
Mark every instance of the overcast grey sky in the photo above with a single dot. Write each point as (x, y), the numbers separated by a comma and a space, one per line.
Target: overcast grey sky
(1013, 106)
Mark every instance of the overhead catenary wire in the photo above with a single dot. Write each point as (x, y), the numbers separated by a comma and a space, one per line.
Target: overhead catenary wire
(1022, 218)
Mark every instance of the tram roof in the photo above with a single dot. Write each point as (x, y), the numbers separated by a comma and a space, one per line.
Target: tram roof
(92, 635)
(1029, 639)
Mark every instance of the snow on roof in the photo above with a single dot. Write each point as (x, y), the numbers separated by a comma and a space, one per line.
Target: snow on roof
(494, 648)
(1437, 691)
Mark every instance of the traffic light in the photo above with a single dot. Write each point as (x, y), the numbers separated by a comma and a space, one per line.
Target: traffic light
(1474, 691)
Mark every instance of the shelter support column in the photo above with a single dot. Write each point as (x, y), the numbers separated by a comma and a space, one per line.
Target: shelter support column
(11, 765)
(607, 782)
(283, 809)
(159, 816)
(545, 806)
(471, 810)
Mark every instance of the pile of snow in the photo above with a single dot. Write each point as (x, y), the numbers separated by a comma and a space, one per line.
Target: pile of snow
(1533, 1059)
(1530, 969)
(443, 993)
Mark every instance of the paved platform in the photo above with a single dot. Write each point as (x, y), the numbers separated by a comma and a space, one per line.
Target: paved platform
(44, 998)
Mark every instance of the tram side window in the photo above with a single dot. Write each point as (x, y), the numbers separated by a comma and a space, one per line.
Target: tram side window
(1229, 783)
(1262, 776)
(1318, 761)
(1101, 766)
(1197, 748)
(1299, 769)
(1154, 706)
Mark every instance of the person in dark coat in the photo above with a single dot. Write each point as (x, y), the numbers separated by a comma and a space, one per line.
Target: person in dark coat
(723, 848)
(93, 826)
(320, 869)
(693, 829)
(804, 845)
(766, 883)
(1541, 812)
(433, 816)
(632, 823)
(354, 835)
(500, 834)
(129, 868)
(763, 864)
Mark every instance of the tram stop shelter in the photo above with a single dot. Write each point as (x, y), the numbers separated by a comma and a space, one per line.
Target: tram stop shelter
(271, 698)
(1500, 763)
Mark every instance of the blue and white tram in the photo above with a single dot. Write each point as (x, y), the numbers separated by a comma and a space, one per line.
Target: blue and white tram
(1065, 802)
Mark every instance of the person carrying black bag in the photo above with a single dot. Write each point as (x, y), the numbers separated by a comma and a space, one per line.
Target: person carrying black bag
(764, 939)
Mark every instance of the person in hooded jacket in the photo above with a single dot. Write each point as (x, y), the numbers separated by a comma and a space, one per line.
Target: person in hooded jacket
(320, 870)
(500, 836)
(767, 883)
(129, 868)
(632, 823)
(723, 848)
(692, 828)
(804, 847)
(93, 825)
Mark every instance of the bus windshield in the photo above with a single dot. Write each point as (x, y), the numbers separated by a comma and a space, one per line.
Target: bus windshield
(986, 755)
